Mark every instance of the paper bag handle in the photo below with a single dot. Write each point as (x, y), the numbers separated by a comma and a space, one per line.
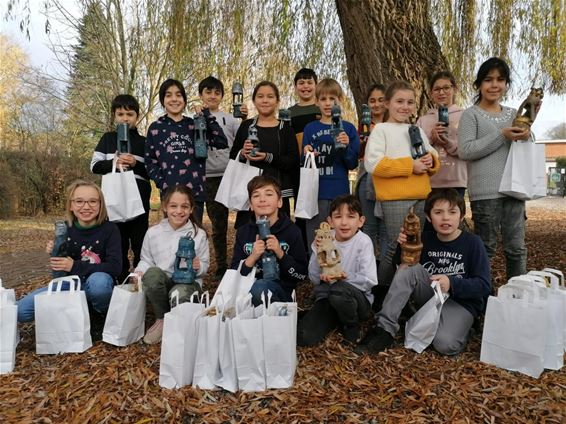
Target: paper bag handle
(59, 282)
(310, 161)
(557, 273)
(552, 280)
(115, 164)
(138, 279)
(510, 291)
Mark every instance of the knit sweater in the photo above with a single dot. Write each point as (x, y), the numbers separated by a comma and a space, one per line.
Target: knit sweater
(485, 149)
(218, 158)
(453, 172)
(388, 159)
(358, 262)
(160, 245)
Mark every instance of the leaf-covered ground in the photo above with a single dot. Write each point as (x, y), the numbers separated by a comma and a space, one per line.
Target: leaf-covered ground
(120, 385)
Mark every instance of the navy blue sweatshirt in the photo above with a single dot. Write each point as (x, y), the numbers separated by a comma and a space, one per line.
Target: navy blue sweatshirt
(95, 249)
(293, 266)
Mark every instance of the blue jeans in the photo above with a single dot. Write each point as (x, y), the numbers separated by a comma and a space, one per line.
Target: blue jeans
(97, 287)
(278, 293)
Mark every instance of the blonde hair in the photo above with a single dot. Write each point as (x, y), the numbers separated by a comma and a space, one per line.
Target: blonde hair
(102, 214)
(329, 86)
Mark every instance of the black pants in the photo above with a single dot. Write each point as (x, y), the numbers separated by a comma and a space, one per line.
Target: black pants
(345, 305)
(132, 234)
(218, 215)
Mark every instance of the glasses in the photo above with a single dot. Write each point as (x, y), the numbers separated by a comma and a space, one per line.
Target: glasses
(81, 202)
(446, 88)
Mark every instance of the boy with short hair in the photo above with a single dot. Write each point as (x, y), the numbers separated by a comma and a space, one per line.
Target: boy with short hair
(125, 109)
(454, 258)
(347, 301)
(305, 110)
(285, 243)
(211, 92)
(333, 161)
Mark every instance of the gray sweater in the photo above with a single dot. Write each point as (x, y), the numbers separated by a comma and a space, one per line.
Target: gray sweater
(485, 149)
(218, 159)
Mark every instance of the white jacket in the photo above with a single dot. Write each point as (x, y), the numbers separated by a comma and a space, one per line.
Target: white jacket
(160, 245)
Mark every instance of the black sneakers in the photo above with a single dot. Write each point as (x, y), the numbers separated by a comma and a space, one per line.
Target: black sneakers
(377, 340)
(351, 334)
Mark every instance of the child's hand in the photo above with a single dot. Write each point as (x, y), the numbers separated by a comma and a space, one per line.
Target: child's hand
(438, 134)
(419, 167)
(135, 280)
(258, 248)
(259, 156)
(516, 133)
(308, 148)
(196, 263)
(49, 246)
(197, 108)
(427, 160)
(402, 238)
(273, 244)
(327, 279)
(61, 264)
(443, 281)
(244, 111)
(126, 159)
(343, 138)
(248, 146)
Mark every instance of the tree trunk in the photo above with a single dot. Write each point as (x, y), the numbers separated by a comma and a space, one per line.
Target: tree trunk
(386, 40)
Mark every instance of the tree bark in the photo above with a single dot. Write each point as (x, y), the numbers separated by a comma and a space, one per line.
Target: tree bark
(386, 40)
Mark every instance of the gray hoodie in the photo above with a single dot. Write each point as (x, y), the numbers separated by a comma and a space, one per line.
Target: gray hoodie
(218, 159)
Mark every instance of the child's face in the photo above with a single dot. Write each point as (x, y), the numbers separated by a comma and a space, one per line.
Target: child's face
(305, 88)
(401, 106)
(445, 218)
(125, 116)
(85, 205)
(376, 102)
(265, 202)
(178, 210)
(325, 103)
(345, 222)
(442, 92)
(173, 102)
(211, 98)
(493, 87)
(265, 100)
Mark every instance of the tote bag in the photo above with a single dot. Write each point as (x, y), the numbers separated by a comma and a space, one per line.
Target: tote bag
(207, 367)
(524, 175)
(232, 286)
(232, 191)
(307, 198)
(125, 320)
(62, 322)
(121, 195)
(8, 329)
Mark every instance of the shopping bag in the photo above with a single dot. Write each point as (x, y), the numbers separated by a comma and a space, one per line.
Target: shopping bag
(233, 285)
(178, 343)
(421, 327)
(121, 195)
(307, 198)
(8, 329)
(280, 343)
(524, 175)
(247, 334)
(562, 290)
(125, 320)
(227, 377)
(514, 333)
(233, 189)
(62, 322)
(207, 367)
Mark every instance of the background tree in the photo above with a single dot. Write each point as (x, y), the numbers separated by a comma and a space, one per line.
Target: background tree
(557, 133)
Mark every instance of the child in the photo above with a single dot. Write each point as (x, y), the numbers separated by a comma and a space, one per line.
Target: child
(94, 254)
(285, 242)
(444, 139)
(333, 163)
(400, 181)
(345, 302)
(158, 255)
(211, 92)
(278, 155)
(306, 110)
(125, 110)
(457, 260)
(485, 137)
(170, 150)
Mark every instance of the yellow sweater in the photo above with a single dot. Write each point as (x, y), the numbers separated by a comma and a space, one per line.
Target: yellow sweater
(388, 159)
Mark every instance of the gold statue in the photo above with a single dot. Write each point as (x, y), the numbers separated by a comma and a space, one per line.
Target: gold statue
(527, 112)
(411, 249)
(327, 254)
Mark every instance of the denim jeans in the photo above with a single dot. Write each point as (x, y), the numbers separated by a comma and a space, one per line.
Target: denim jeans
(278, 293)
(505, 215)
(97, 287)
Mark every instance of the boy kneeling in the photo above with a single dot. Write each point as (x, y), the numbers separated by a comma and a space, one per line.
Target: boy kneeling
(457, 260)
(347, 301)
(284, 242)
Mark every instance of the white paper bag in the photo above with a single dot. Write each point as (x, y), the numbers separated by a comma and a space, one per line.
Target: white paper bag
(227, 377)
(524, 175)
(233, 189)
(121, 195)
(307, 198)
(233, 286)
(514, 333)
(125, 320)
(422, 327)
(8, 329)
(562, 291)
(207, 366)
(62, 322)
(178, 343)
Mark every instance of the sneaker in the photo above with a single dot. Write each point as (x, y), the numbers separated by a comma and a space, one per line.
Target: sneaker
(153, 335)
(96, 325)
(377, 340)
(351, 333)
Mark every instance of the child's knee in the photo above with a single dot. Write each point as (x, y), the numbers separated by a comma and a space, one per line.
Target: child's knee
(99, 283)
(446, 345)
(185, 292)
(153, 278)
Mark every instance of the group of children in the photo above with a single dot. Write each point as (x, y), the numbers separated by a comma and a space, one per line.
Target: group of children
(468, 152)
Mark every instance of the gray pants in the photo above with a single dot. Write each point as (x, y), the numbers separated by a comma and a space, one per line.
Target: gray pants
(314, 223)
(158, 287)
(455, 320)
(505, 214)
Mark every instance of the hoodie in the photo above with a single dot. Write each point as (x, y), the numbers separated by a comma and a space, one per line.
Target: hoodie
(293, 264)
